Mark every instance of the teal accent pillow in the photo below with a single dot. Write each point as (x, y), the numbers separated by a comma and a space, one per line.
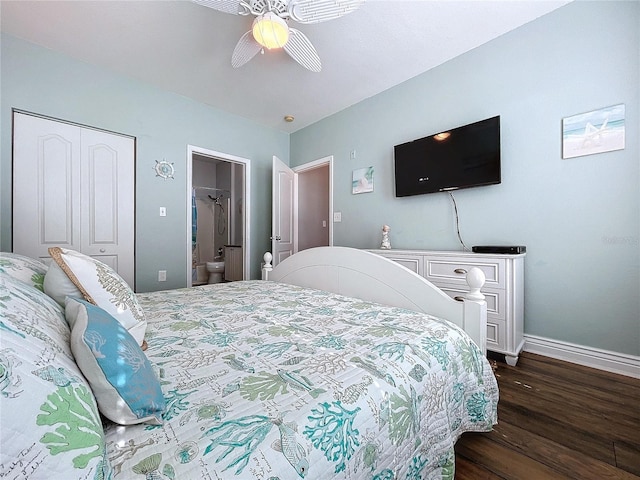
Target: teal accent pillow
(121, 377)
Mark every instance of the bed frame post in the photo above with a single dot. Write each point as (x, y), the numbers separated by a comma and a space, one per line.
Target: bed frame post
(475, 306)
(266, 266)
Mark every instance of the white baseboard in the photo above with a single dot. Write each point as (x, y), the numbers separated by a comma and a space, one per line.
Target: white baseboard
(614, 362)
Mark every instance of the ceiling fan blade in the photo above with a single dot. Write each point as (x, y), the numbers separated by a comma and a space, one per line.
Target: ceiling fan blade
(226, 6)
(316, 11)
(300, 49)
(245, 50)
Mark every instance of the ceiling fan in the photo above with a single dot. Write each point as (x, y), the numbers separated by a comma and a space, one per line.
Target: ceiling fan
(270, 29)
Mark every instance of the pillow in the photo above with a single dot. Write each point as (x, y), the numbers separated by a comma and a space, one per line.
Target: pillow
(120, 375)
(50, 424)
(28, 270)
(73, 274)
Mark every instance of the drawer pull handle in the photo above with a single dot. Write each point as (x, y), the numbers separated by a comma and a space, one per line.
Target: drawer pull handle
(458, 298)
(460, 270)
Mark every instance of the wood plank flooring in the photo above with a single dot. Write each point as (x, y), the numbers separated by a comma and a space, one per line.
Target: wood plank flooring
(557, 420)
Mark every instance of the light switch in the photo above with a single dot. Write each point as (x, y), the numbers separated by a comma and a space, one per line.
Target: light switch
(337, 217)
(163, 211)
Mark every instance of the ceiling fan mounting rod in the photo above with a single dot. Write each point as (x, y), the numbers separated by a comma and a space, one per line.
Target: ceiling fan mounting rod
(260, 7)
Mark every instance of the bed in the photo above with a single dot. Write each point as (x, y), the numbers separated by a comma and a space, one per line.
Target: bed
(303, 375)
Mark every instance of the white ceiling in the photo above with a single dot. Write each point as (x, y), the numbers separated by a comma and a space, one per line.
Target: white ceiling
(186, 48)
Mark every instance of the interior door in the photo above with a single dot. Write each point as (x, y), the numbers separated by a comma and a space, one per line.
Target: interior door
(73, 187)
(283, 241)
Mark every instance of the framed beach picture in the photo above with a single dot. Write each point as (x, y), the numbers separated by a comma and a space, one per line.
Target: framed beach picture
(362, 180)
(593, 132)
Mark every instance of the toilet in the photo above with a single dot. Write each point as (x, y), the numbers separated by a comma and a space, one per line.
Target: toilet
(216, 271)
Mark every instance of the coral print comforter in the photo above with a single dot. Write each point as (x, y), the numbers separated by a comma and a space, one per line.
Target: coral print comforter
(268, 381)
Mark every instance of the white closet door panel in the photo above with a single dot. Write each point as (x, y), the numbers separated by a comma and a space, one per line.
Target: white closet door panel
(55, 186)
(103, 195)
(46, 205)
(108, 187)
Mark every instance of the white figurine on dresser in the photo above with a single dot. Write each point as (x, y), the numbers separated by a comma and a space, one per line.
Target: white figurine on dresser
(386, 244)
(503, 290)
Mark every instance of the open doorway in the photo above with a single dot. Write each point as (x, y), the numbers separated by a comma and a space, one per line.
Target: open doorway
(315, 228)
(218, 207)
(302, 200)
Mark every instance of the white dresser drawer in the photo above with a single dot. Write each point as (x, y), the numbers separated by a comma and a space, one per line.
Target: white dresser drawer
(452, 269)
(495, 298)
(412, 262)
(496, 331)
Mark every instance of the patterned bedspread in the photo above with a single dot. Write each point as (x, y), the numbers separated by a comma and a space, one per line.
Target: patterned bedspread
(268, 381)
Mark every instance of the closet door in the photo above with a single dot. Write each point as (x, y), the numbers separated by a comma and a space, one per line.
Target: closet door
(107, 205)
(73, 187)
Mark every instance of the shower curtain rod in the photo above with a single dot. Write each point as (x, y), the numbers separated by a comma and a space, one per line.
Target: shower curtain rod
(212, 188)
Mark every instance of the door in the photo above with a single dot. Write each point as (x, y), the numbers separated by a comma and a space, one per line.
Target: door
(283, 214)
(73, 187)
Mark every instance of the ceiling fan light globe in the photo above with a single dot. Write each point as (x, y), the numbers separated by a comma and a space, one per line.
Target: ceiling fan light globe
(270, 31)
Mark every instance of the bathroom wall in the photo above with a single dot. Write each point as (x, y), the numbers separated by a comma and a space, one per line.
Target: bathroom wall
(221, 214)
(204, 175)
(237, 212)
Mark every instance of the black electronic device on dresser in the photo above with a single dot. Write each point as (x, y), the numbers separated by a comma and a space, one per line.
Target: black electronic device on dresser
(503, 249)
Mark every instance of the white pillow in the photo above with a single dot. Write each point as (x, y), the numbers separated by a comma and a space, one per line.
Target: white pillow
(73, 274)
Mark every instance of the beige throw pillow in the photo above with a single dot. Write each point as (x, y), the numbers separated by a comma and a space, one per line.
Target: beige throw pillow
(88, 278)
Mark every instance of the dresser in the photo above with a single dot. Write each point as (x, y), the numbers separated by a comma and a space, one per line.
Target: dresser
(503, 290)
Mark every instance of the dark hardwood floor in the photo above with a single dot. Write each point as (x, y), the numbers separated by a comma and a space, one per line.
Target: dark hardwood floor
(557, 420)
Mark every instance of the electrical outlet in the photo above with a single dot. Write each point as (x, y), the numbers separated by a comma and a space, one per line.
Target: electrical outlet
(162, 275)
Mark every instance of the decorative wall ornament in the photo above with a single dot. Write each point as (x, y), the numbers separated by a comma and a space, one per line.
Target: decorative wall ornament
(593, 132)
(164, 169)
(362, 180)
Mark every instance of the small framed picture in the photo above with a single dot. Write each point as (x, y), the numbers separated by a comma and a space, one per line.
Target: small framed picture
(593, 132)
(362, 180)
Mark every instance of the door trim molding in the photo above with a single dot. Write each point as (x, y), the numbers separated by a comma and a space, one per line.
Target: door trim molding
(246, 208)
(69, 122)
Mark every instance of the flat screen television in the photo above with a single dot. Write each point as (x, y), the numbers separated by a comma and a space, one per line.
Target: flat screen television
(467, 156)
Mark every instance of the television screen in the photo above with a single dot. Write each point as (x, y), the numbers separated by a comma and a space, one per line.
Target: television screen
(467, 156)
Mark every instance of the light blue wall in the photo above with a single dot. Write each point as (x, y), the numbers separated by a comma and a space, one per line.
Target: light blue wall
(45, 82)
(579, 218)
